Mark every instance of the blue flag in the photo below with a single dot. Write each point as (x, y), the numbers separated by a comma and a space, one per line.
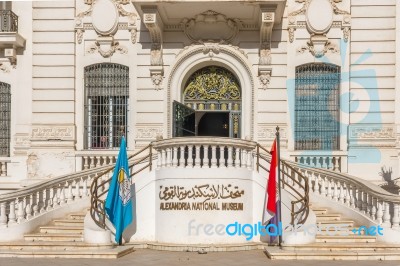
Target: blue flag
(118, 202)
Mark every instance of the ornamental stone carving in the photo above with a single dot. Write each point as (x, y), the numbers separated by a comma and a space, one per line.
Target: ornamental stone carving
(116, 18)
(372, 132)
(148, 132)
(106, 47)
(210, 26)
(267, 132)
(50, 132)
(320, 16)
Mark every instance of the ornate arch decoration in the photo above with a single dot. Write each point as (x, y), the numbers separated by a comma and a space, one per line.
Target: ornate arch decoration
(196, 57)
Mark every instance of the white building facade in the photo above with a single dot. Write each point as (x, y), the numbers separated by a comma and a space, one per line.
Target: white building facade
(75, 76)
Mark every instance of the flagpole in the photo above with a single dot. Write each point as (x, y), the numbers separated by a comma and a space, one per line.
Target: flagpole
(278, 154)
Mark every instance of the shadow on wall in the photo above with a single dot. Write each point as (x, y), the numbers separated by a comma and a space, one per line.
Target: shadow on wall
(390, 184)
(132, 228)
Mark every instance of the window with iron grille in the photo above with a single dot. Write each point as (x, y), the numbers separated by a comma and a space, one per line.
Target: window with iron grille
(106, 105)
(317, 107)
(5, 114)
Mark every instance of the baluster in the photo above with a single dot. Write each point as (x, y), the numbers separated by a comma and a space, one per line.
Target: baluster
(62, 195)
(70, 196)
(395, 220)
(369, 198)
(359, 199)
(3, 215)
(20, 212)
(12, 218)
(213, 156)
(353, 203)
(197, 159)
(329, 193)
(230, 156)
(249, 163)
(348, 194)
(174, 156)
(91, 162)
(37, 204)
(379, 213)
(181, 159)
(159, 159)
(373, 209)
(51, 197)
(364, 198)
(235, 157)
(168, 151)
(44, 198)
(315, 186)
(341, 192)
(386, 214)
(77, 192)
(163, 156)
(85, 163)
(243, 158)
(190, 156)
(85, 187)
(323, 190)
(28, 208)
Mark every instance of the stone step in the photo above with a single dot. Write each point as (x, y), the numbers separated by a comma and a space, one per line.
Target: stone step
(345, 239)
(328, 217)
(319, 210)
(373, 247)
(111, 253)
(278, 254)
(76, 216)
(342, 223)
(68, 222)
(52, 245)
(61, 229)
(53, 237)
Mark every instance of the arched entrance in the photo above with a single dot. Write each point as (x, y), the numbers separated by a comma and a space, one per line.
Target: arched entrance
(211, 105)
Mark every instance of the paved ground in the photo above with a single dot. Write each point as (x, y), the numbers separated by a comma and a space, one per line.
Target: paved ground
(152, 257)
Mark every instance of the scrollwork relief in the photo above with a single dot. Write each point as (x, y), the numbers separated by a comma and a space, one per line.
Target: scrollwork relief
(115, 47)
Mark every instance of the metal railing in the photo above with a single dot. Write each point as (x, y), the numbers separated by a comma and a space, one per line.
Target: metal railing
(101, 183)
(8, 21)
(292, 181)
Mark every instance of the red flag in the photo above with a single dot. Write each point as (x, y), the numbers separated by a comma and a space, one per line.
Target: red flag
(271, 189)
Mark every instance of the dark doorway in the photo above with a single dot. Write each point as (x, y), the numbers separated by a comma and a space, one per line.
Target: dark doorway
(214, 124)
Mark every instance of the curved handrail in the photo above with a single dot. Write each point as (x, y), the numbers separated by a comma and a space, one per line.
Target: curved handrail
(100, 184)
(302, 184)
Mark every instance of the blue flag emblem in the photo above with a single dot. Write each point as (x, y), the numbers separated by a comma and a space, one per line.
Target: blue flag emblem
(118, 204)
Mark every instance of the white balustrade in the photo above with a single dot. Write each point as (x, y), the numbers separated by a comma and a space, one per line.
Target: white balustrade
(94, 158)
(203, 152)
(330, 162)
(25, 204)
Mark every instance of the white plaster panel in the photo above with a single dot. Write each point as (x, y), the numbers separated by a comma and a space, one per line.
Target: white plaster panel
(272, 94)
(266, 117)
(53, 83)
(381, 70)
(368, 82)
(54, 71)
(54, 37)
(59, 48)
(372, 12)
(53, 13)
(52, 118)
(374, 47)
(153, 118)
(62, 106)
(372, 23)
(150, 106)
(374, 3)
(149, 95)
(363, 95)
(366, 106)
(53, 60)
(53, 25)
(387, 118)
(66, 95)
(373, 35)
(58, 4)
(272, 106)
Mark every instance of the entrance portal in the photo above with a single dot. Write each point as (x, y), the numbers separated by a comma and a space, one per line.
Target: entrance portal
(212, 105)
(214, 124)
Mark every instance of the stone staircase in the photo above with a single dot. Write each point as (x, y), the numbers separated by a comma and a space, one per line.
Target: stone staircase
(62, 238)
(331, 245)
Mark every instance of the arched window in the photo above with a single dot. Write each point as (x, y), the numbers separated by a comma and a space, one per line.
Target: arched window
(106, 105)
(5, 117)
(317, 107)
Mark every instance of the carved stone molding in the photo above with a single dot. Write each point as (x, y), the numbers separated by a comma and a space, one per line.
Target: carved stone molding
(210, 26)
(372, 132)
(106, 47)
(84, 20)
(320, 17)
(267, 23)
(50, 132)
(264, 75)
(4, 68)
(148, 132)
(267, 132)
(212, 49)
(157, 76)
(318, 46)
(22, 143)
